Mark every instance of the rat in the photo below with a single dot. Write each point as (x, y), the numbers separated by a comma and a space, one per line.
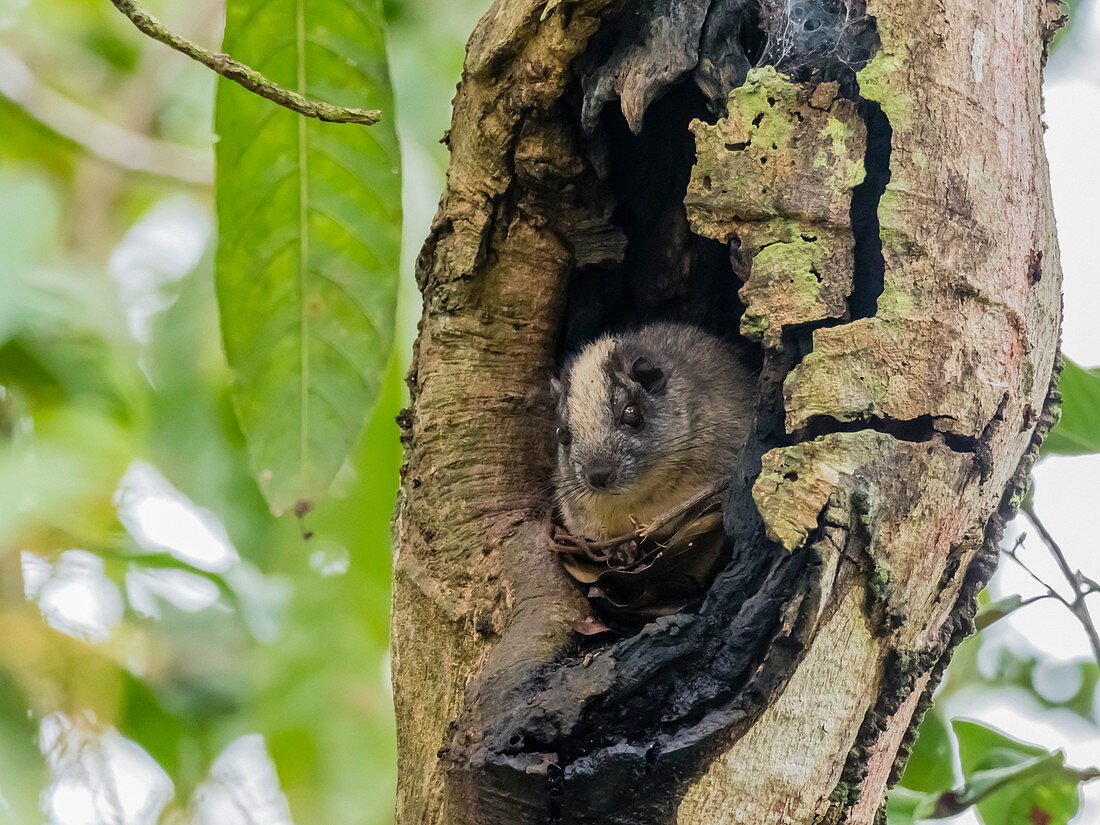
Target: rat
(647, 419)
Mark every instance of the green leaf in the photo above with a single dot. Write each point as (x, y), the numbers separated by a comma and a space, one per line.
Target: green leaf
(144, 719)
(29, 217)
(1071, 8)
(903, 804)
(1014, 783)
(1078, 431)
(997, 610)
(983, 784)
(309, 238)
(930, 764)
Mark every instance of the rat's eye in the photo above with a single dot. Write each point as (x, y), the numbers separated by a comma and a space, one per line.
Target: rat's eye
(564, 436)
(631, 416)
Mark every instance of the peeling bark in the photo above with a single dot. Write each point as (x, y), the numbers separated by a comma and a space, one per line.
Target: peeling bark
(871, 224)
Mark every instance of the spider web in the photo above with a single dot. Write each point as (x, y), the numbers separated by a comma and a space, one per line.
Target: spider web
(821, 39)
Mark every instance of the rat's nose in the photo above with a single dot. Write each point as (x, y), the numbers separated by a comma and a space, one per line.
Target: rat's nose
(600, 473)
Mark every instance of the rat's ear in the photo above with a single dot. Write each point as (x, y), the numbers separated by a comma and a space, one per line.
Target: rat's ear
(555, 388)
(649, 375)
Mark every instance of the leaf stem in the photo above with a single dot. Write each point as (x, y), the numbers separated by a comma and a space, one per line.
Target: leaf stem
(239, 73)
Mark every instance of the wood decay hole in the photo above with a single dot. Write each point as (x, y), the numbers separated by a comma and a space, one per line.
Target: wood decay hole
(648, 210)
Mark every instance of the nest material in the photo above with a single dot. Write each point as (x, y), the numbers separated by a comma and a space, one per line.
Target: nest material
(657, 570)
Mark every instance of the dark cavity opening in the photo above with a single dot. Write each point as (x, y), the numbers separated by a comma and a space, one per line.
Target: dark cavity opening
(870, 265)
(668, 273)
(920, 430)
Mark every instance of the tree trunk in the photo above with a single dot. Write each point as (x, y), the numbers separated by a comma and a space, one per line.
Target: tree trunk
(872, 223)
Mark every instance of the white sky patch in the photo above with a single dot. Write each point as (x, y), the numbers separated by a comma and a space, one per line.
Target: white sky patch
(1057, 681)
(74, 595)
(161, 518)
(163, 246)
(187, 591)
(98, 776)
(1065, 490)
(243, 788)
(330, 559)
(1073, 119)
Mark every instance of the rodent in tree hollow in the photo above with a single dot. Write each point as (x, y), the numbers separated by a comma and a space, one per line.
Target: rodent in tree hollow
(647, 419)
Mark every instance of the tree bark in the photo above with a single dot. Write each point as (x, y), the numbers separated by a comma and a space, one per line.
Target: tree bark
(875, 228)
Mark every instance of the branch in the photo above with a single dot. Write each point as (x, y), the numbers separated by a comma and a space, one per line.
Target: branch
(1082, 586)
(562, 542)
(1013, 554)
(95, 134)
(239, 73)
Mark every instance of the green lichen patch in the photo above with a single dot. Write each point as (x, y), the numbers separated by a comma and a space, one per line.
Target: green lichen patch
(796, 281)
(776, 175)
(757, 108)
(781, 151)
(897, 368)
(879, 580)
(848, 170)
(876, 82)
(895, 302)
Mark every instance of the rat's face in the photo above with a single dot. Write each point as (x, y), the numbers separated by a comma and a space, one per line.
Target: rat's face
(615, 425)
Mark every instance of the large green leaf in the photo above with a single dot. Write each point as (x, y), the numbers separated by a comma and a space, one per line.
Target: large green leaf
(309, 238)
(929, 768)
(1078, 431)
(1014, 783)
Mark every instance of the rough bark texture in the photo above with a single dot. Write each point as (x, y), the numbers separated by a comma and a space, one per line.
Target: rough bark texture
(877, 233)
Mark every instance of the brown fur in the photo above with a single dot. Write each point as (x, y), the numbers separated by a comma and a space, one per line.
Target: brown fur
(697, 411)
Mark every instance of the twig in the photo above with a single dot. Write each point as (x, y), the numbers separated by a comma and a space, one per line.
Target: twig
(239, 73)
(1081, 588)
(563, 542)
(647, 529)
(1012, 554)
(95, 134)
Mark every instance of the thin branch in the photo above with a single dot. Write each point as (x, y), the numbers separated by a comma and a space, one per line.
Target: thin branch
(239, 73)
(702, 495)
(563, 542)
(1081, 589)
(1055, 550)
(95, 134)
(1013, 554)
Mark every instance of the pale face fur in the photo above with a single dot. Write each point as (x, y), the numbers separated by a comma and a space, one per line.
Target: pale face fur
(694, 399)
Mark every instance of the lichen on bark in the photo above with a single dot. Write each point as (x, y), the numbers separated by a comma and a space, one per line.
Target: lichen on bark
(774, 177)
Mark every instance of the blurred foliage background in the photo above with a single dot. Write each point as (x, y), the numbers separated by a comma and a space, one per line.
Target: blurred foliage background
(162, 635)
(172, 652)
